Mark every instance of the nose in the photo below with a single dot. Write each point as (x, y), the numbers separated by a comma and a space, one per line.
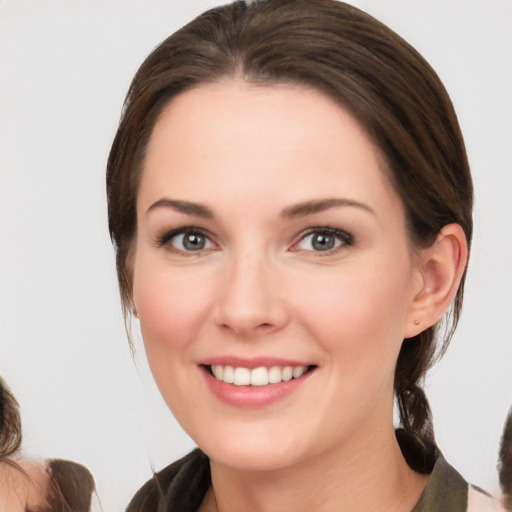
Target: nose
(251, 301)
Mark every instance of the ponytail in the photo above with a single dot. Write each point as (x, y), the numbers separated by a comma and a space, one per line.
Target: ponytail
(417, 433)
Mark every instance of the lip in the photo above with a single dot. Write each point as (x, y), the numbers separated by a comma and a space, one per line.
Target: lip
(252, 396)
(252, 362)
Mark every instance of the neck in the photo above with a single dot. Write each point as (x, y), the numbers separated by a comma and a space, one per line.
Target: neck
(363, 475)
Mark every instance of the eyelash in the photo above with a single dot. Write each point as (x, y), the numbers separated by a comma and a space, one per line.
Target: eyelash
(167, 236)
(345, 239)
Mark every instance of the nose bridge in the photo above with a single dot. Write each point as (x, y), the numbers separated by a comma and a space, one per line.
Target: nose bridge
(249, 299)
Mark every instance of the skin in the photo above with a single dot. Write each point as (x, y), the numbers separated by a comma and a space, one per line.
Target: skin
(44, 486)
(24, 487)
(259, 288)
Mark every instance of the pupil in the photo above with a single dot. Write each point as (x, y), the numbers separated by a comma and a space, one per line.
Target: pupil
(193, 241)
(323, 242)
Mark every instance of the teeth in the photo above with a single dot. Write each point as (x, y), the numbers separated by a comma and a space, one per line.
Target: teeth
(298, 372)
(242, 377)
(274, 375)
(287, 373)
(228, 375)
(217, 371)
(261, 376)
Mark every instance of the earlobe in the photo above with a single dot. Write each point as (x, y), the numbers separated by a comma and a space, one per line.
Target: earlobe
(441, 267)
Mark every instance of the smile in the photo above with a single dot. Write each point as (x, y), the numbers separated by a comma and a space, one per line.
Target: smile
(261, 376)
(255, 382)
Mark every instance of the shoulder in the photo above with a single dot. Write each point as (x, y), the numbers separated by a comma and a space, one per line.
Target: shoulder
(479, 501)
(180, 486)
(447, 490)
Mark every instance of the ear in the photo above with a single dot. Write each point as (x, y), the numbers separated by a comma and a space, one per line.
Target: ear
(440, 268)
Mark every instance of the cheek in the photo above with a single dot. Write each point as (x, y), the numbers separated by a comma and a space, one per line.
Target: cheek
(172, 307)
(358, 314)
(171, 304)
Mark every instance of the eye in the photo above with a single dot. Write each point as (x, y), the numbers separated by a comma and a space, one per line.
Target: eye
(186, 240)
(324, 240)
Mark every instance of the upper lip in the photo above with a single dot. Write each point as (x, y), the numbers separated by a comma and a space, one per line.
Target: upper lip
(252, 362)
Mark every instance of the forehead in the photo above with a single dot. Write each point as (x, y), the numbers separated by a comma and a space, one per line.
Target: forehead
(236, 115)
(284, 141)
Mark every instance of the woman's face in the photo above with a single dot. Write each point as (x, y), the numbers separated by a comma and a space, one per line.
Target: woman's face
(270, 242)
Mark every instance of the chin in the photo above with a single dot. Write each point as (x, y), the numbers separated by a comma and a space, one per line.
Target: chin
(252, 449)
(244, 458)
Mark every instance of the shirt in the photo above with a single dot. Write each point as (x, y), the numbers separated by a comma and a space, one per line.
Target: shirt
(181, 487)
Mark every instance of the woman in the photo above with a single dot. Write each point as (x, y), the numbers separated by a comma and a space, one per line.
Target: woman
(290, 203)
(31, 486)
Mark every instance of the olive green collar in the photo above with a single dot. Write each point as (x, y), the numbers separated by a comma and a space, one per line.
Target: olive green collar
(446, 490)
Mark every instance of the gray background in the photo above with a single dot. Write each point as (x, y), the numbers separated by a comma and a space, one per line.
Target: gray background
(64, 69)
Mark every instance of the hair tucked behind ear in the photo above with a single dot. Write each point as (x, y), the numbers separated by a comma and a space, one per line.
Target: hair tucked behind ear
(364, 66)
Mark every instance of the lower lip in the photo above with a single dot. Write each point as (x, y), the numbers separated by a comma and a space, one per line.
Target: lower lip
(252, 396)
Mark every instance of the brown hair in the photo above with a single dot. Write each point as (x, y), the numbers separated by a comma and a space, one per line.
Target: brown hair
(365, 67)
(10, 424)
(70, 485)
(505, 462)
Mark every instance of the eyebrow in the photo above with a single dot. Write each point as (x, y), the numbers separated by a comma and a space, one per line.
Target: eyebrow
(320, 205)
(290, 212)
(183, 207)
